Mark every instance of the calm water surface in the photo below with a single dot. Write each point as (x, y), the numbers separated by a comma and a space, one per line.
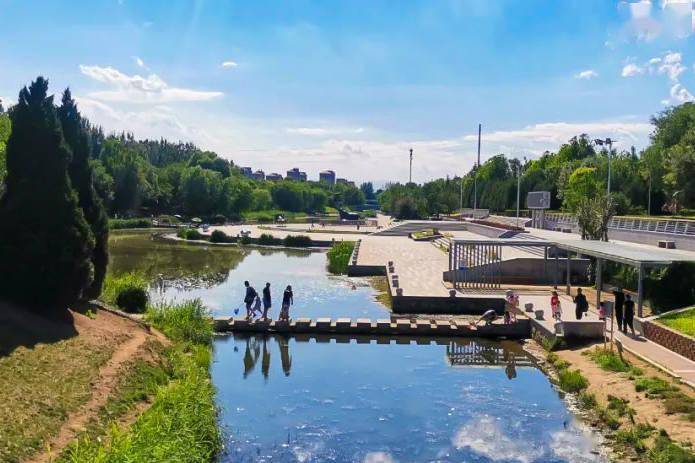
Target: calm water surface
(342, 400)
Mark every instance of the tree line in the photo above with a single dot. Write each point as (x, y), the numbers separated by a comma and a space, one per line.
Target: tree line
(658, 180)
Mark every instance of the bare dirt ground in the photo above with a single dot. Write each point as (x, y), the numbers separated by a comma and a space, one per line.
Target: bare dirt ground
(53, 394)
(648, 410)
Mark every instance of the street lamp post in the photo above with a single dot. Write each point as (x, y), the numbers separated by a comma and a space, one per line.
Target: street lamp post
(608, 142)
(518, 190)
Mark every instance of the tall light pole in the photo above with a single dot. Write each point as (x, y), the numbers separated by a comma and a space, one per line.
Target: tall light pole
(475, 173)
(608, 142)
(410, 178)
(518, 189)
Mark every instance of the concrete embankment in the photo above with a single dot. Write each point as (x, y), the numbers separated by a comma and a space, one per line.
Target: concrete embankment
(386, 327)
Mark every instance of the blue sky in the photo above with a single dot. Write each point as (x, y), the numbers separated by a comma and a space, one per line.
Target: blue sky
(353, 85)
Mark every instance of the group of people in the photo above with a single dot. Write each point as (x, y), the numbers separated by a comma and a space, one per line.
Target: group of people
(254, 301)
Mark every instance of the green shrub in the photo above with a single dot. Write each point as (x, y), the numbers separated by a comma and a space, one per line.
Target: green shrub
(608, 360)
(244, 240)
(189, 234)
(188, 321)
(653, 386)
(634, 436)
(609, 418)
(572, 380)
(339, 257)
(264, 218)
(120, 224)
(297, 241)
(587, 400)
(620, 407)
(267, 239)
(677, 402)
(665, 451)
(218, 236)
(218, 219)
(128, 292)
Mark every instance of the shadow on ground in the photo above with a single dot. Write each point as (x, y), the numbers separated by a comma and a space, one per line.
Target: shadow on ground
(24, 328)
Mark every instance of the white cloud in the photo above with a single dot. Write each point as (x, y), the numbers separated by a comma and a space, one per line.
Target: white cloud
(229, 64)
(378, 457)
(138, 89)
(139, 62)
(322, 131)
(678, 95)
(485, 437)
(671, 65)
(647, 22)
(631, 70)
(587, 74)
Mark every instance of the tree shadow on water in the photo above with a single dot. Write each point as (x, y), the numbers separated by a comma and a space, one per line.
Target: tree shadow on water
(20, 327)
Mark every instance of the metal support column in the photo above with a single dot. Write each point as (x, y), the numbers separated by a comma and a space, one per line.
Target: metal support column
(599, 281)
(557, 268)
(640, 290)
(567, 271)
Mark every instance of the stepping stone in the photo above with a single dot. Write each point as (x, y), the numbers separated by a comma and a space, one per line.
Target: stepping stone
(403, 326)
(423, 325)
(383, 324)
(239, 323)
(343, 323)
(363, 339)
(323, 323)
(364, 323)
(342, 339)
(302, 322)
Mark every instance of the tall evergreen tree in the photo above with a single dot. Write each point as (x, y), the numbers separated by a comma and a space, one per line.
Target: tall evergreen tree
(45, 242)
(75, 131)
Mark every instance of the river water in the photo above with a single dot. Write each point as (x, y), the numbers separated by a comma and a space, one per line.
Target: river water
(286, 399)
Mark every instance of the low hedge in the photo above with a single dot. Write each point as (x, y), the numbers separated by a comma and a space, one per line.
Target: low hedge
(121, 224)
(268, 239)
(297, 241)
(190, 234)
(218, 236)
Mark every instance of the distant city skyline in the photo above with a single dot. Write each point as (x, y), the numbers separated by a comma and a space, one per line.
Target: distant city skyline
(355, 85)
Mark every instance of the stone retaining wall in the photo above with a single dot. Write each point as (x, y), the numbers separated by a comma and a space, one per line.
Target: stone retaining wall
(670, 339)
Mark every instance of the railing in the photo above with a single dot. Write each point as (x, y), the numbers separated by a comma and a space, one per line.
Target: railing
(668, 226)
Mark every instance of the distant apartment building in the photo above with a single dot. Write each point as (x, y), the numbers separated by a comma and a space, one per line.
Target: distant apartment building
(246, 171)
(258, 175)
(275, 177)
(327, 176)
(344, 181)
(296, 175)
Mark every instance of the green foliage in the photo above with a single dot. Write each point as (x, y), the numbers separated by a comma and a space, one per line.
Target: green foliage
(634, 436)
(665, 450)
(609, 361)
(190, 234)
(339, 257)
(297, 241)
(653, 386)
(683, 321)
(200, 190)
(128, 292)
(188, 321)
(120, 224)
(5, 130)
(218, 236)
(267, 239)
(587, 400)
(41, 224)
(572, 380)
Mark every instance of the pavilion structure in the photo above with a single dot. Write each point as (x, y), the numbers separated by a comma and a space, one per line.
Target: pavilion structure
(479, 261)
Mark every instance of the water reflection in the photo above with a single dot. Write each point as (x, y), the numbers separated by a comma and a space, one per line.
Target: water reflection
(317, 399)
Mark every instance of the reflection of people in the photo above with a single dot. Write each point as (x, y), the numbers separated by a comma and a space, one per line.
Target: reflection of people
(265, 362)
(285, 357)
(250, 356)
(511, 367)
(488, 317)
(629, 314)
(580, 304)
(619, 296)
(287, 301)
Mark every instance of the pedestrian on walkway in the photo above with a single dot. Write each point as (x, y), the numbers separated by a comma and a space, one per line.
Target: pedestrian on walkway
(266, 301)
(629, 314)
(555, 306)
(580, 304)
(287, 301)
(249, 298)
(619, 296)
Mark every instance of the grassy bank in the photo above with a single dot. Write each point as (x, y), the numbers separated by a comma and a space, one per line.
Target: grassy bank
(181, 422)
(629, 421)
(122, 224)
(339, 257)
(682, 321)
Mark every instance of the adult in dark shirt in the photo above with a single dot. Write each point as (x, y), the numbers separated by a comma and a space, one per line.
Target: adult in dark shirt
(629, 314)
(287, 301)
(266, 301)
(619, 301)
(580, 304)
(249, 298)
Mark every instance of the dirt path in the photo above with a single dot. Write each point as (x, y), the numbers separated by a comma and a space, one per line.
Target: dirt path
(103, 387)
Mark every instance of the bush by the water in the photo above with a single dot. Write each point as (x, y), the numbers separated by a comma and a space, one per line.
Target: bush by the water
(128, 292)
(218, 236)
(572, 380)
(297, 241)
(120, 224)
(190, 234)
(267, 239)
(339, 257)
(188, 321)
